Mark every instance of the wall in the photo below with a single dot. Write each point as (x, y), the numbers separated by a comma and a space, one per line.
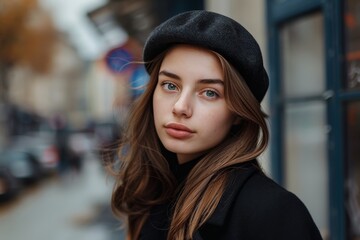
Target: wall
(58, 91)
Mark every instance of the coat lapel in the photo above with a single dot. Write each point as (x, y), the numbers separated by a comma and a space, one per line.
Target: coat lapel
(236, 181)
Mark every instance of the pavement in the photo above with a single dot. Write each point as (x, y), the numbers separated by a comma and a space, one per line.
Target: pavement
(70, 207)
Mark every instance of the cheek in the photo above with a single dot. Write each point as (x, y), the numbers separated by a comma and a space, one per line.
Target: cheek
(221, 122)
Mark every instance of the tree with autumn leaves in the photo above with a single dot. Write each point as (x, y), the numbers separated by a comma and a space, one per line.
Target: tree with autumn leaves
(27, 38)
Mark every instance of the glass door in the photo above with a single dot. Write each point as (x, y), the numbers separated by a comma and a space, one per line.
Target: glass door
(304, 114)
(314, 50)
(351, 89)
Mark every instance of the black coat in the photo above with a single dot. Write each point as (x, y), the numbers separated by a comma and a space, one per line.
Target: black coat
(253, 207)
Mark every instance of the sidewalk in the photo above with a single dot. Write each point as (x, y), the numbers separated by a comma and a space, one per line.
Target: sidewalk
(76, 207)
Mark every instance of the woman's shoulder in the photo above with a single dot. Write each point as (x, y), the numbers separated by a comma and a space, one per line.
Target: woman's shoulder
(250, 182)
(266, 207)
(261, 191)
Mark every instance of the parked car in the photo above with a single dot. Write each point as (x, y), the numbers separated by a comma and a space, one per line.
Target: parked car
(22, 165)
(9, 185)
(41, 147)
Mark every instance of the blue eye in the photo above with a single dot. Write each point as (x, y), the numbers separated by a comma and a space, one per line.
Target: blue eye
(211, 94)
(169, 86)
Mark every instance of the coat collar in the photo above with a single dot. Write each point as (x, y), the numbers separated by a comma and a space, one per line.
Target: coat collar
(237, 179)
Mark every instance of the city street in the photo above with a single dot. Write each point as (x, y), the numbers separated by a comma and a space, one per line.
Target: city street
(73, 207)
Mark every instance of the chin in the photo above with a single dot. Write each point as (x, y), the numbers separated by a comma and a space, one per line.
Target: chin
(174, 149)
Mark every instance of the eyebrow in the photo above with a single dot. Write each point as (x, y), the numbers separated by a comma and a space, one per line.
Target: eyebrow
(204, 81)
(169, 74)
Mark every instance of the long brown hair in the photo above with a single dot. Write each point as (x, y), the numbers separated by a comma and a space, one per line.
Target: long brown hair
(144, 179)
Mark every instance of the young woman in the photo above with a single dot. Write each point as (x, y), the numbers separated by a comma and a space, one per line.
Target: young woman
(189, 165)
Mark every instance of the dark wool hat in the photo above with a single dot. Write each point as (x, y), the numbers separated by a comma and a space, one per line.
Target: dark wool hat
(215, 32)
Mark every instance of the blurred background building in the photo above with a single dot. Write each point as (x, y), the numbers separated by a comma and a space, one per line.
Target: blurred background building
(66, 62)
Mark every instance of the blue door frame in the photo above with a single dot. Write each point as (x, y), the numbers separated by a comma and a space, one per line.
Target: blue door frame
(278, 13)
(174, 7)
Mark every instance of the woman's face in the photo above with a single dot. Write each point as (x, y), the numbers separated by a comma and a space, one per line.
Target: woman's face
(190, 112)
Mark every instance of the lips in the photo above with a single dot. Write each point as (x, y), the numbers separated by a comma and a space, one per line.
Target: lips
(177, 130)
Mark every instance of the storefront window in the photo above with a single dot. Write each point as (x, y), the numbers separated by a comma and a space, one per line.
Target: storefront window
(352, 43)
(306, 158)
(353, 169)
(303, 57)
(305, 132)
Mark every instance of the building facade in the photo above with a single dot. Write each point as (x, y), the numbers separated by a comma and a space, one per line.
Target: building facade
(311, 51)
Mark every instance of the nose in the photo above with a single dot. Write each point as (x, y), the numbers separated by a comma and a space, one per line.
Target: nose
(183, 105)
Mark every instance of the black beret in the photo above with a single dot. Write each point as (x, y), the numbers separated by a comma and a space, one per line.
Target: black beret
(215, 32)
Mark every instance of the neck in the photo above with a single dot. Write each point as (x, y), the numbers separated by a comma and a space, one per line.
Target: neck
(184, 158)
